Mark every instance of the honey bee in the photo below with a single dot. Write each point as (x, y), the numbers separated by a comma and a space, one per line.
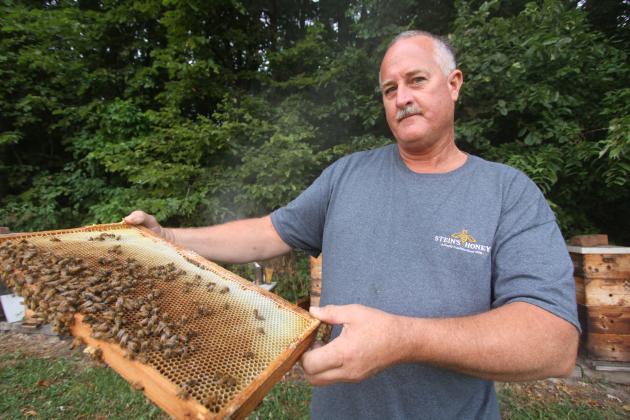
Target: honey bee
(183, 352)
(191, 383)
(171, 342)
(55, 239)
(132, 347)
(49, 294)
(228, 381)
(137, 385)
(97, 335)
(104, 327)
(154, 295)
(209, 400)
(260, 330)
(224, 290)
(203, 311)
(104, 261)
(116, 249)
(161, 325)
(76, 342)
(249, 355)
(97, 355)
(121, 333)
(108, 315)
(86, 304)
(258, 316)
(183, 393)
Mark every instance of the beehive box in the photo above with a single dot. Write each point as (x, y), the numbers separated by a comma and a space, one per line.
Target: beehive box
(200, 341)
(602, 279)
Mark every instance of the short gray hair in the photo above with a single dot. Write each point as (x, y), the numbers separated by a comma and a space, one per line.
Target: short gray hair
(443, 51)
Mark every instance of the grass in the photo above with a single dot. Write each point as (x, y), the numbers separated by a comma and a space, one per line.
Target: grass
(287, 400)
(519, 405)
(44, 388)
(62, 389)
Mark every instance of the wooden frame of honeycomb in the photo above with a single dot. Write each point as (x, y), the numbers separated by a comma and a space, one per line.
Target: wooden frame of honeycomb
(200, 341)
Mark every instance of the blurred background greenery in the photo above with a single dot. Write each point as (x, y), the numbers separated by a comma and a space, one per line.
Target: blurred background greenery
(204, 111)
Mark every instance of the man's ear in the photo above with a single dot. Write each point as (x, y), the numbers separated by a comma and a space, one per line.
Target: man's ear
(455, 81)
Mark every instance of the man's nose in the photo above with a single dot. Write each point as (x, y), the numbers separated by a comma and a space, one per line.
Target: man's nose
(403, 97)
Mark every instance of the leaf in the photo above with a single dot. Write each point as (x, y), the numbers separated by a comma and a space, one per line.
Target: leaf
(43, 383)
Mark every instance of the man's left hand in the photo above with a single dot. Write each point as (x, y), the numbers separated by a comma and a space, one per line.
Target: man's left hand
(367, 344)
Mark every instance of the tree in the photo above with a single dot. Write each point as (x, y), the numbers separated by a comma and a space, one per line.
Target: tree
(205, 111)
(545, 93)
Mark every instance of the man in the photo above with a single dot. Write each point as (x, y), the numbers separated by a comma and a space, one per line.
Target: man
(442, 272)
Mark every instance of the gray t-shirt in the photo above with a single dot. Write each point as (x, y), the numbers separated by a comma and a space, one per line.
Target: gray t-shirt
(426, 245)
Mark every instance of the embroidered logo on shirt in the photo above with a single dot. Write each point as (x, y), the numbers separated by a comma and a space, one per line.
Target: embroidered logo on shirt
(463, 241)
(464, 236)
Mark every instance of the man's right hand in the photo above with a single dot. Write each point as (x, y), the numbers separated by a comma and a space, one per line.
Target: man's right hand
(139, 217)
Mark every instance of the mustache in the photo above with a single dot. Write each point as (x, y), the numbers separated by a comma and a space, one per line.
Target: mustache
(407, 111)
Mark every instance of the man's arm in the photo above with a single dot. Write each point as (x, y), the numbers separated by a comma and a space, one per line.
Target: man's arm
(515, 342)
(234, 242)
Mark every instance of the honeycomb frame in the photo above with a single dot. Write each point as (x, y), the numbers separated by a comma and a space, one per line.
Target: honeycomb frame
(227, 376)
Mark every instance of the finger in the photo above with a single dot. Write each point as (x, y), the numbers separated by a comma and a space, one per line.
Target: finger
(136, 217)
(322, 359)
(327, 377)
(331, 314)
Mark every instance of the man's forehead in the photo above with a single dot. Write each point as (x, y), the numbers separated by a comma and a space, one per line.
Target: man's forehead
(418, 49)
(414, 42)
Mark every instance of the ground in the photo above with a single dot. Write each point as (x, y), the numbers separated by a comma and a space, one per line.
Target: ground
(574, 398)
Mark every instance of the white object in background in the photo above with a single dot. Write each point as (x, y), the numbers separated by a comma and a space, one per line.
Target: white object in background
(13, 307)
(268, 286)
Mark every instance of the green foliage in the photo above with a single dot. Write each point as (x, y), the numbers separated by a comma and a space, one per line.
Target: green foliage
(200, 112)
(545, 94)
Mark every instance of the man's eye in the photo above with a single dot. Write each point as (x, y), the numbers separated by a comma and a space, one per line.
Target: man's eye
(389, 90)
(419, 80)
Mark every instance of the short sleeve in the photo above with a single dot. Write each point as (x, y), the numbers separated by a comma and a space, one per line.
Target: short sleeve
(531, 262)
(301, 222)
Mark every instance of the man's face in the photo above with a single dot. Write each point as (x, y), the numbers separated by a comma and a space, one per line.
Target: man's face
(411, 79)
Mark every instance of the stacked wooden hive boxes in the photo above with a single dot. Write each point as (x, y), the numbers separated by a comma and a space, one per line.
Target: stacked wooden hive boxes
(602, 277)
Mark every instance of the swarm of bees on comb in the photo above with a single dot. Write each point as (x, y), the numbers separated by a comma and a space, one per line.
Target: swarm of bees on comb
(106, 293)
(56, 288)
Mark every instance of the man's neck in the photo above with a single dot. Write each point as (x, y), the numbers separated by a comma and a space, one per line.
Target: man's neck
(441, 158)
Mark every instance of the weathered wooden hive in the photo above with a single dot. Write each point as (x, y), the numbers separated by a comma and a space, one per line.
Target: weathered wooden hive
(199, 340)
(602, 278)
